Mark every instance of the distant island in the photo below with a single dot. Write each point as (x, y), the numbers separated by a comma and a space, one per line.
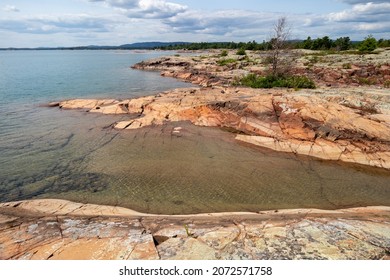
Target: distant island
(134, 46)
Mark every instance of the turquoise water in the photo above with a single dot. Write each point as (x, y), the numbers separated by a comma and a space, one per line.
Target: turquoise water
(53, 153)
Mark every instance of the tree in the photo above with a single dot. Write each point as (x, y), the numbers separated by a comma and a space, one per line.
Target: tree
(308, 43)
(342, 43)
(281, 32)
(368, 45)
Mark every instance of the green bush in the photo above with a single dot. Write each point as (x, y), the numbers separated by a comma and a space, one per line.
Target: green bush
(271, 81)
(224, 53)
(367, 81)
(368, 45)
(241, 52)
(227, 61)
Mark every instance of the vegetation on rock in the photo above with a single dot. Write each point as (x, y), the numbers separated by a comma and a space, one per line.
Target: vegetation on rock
(227, 61)
(241, 52)
(271, 81)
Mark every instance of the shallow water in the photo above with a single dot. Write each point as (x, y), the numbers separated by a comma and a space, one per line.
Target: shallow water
(52, 153)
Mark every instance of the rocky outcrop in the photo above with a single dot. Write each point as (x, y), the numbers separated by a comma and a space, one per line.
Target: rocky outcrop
(56, 229)
(333, 125)
(187, 69)
(212, 69)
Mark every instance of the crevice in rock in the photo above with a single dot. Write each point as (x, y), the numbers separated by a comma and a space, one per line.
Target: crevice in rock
(159, 239)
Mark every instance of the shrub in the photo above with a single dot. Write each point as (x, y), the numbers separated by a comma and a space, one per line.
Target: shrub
(224, 53)
(368, 45)
(270, 81)
(241, 52)
(367, 81)
(386, 84)
(227, 61)
(267, 60)
(347, 66)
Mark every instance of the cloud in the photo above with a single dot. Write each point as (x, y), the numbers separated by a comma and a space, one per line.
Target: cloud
(10, 8)
(374, 27)
(357, 21)
(152, 9)
(220, 22)
(126, 4)
(353, 2)
(54, 24)
(369, 12)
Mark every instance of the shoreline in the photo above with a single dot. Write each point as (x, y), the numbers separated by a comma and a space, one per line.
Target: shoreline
(62, 207)
(309, 122)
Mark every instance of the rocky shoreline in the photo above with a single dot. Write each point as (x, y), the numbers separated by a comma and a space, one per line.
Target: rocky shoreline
(326, 124)
(341, 120)
(58, 229)
(348, 122)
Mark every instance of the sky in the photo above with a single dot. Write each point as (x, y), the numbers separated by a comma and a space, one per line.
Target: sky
(48, 23)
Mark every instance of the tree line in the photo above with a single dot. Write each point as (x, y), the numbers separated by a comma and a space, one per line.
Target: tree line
(324, 43)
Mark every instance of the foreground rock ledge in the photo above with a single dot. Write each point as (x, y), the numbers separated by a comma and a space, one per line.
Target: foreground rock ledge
(348, 124)
(58, 229)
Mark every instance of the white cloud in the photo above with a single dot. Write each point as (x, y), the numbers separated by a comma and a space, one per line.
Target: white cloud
(126, 4)
(10, 8)
(356, 22)
(155, 9)
(374, 27)
(353, 2)
(369, 12)
(57, 24)
(220, 22)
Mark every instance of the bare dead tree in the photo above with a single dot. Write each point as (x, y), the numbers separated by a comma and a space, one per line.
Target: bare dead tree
(281, 33)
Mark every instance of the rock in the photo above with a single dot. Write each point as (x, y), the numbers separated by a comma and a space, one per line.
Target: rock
(185, 249)
(333, 70)
(54, 104)
(85, 103)
(57, 229)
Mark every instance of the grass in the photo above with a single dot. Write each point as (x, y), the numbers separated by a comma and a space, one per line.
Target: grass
(347, 66)
(367, 81)
(357, 52)
(223, 62)
(270, 81)
(189, 234)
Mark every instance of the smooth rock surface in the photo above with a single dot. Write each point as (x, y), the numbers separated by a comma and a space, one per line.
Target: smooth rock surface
(52, 229)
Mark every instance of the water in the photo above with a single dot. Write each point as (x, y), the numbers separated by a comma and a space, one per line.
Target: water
(51, 153)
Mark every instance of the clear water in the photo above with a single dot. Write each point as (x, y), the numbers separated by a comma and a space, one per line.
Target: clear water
(50, 153)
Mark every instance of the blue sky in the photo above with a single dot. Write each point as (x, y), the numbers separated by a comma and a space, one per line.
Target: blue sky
(26, 23)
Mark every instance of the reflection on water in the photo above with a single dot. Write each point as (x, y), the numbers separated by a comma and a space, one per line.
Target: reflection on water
(78, 156)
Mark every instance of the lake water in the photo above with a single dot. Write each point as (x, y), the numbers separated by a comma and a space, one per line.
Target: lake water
(51, 153)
